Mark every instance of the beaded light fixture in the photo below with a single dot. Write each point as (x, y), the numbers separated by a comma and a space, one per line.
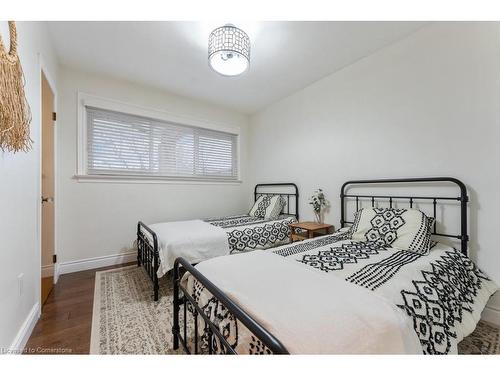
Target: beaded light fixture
(229, 50)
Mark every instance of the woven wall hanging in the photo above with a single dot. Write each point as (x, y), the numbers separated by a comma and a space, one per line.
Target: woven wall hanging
(15, 114)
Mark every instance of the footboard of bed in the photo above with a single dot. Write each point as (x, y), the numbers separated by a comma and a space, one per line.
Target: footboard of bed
(183, 298)
(147, 254)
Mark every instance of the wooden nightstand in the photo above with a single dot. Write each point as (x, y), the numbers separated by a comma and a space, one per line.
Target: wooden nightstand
(310, 229)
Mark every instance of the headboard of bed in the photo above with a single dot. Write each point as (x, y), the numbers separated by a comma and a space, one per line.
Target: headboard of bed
(287, 190)
(462, 198)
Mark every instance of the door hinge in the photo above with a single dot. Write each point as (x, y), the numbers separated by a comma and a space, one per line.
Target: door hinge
(54, 116)
(54, 258)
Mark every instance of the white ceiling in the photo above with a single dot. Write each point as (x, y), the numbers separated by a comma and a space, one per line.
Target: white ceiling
(285, 56)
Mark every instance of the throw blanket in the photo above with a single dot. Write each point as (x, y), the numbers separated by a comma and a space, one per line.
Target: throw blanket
(193, 240)
(245, 232)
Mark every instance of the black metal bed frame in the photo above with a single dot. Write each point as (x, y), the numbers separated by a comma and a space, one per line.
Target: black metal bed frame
(257, 192)
(147, 248)
(183, 297)
(147, 255)
(462, 198)
(186, 299)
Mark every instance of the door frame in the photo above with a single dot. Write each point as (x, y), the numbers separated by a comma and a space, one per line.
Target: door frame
(43, 69)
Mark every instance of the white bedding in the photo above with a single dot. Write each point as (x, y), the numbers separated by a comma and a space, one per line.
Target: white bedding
(194, 240)
(310, 312)
(198, 240)
(334, 295)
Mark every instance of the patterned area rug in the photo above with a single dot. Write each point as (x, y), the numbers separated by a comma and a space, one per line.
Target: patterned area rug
(484, 340)
(126, 320)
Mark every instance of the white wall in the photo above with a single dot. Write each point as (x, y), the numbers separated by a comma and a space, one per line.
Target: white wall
(428, 105)
(20, 195)
(99, 219)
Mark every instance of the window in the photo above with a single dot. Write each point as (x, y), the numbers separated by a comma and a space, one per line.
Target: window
(120, 144)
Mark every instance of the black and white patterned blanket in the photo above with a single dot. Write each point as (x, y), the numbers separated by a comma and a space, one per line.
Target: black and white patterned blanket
(246, 233)
(441, 294)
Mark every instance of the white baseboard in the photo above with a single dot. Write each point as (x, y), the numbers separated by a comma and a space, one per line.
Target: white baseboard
(98, 262)
(48, 270)
(25, 331)
(491, 314)
(57, 272)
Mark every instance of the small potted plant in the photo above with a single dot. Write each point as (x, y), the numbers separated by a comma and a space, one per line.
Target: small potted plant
(319, 204)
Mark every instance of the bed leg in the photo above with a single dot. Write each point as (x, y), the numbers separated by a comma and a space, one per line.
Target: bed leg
(156, 287)
(175, 326)
(138, 245)
(156, 265)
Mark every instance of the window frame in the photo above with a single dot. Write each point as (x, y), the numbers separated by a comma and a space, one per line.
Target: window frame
(82, 174)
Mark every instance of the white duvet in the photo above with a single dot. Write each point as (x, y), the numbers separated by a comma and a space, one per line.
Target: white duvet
(310, 312)
(335, 295)
(194, 240)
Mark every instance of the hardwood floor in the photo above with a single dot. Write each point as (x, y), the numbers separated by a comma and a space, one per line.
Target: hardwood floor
(47, 285)
(66, 320)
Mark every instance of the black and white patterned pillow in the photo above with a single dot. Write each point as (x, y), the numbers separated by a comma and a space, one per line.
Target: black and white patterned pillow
(406, 229)
(268, 206)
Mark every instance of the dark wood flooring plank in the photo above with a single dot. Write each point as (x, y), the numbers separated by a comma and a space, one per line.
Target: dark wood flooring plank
(66, 321)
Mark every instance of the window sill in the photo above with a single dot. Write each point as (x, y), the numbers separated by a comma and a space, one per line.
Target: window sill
(150, 180)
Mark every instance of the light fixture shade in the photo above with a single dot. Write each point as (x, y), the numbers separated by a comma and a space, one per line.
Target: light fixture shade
(229, 50)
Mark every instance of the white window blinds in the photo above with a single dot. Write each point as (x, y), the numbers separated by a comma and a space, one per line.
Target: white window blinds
(123, 144)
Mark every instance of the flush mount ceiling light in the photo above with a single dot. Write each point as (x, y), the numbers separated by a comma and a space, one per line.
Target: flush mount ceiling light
(229, 50)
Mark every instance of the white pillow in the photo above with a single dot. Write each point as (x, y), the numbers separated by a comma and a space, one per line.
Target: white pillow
(406, 229)
(268, 206)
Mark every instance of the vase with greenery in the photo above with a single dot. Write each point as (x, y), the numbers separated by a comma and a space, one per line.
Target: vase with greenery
(319, 203)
